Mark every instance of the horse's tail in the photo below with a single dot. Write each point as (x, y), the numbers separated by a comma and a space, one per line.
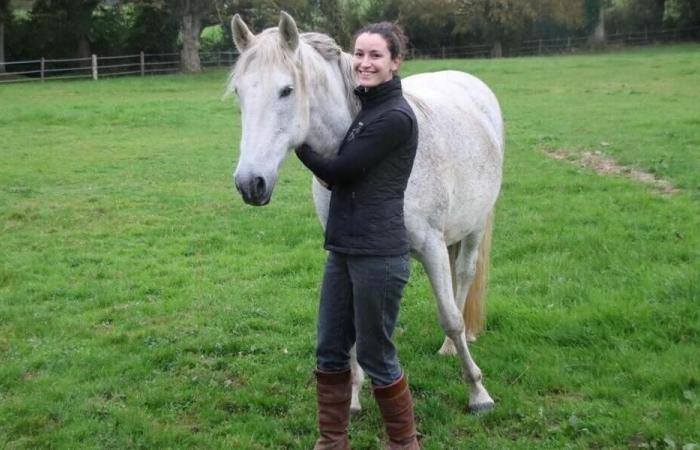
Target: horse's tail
(474, 308)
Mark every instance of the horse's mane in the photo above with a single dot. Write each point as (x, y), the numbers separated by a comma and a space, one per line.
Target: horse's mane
(330, 51)
(418, 103)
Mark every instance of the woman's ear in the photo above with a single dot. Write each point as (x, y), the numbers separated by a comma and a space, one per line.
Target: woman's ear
(395, 65)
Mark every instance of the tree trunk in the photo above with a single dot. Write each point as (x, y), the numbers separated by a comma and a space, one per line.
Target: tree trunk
(190, 29)
(598, 36)
(5, 15)
(497, 49)
(84, 50)
(2, 44)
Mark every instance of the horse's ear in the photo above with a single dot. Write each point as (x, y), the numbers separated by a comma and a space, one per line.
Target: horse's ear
(242, 36)
(289, 33)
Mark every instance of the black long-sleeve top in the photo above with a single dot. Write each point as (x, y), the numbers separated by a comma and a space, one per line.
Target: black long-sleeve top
(369, 175)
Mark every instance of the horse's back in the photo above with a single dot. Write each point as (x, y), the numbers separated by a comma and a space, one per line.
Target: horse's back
(457, 172)
(450, 94)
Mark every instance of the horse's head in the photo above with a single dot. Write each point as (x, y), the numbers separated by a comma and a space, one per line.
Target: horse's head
(274, 105)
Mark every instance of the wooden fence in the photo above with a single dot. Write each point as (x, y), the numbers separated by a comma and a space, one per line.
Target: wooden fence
(97, 67)
(572, 44)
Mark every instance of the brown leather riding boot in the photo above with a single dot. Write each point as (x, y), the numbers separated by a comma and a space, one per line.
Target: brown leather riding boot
(396, 405)
(333, 393)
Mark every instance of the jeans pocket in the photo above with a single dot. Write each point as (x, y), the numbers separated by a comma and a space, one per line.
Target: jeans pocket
(400, 266)
(406, 259)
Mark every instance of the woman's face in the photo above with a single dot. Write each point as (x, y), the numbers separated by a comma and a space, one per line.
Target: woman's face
(372, 60)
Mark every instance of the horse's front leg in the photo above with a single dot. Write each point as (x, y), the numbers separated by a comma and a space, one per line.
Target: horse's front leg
(358, 378)
(436, 261)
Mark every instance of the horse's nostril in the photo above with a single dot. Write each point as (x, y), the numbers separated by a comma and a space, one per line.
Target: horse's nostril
(259, 184)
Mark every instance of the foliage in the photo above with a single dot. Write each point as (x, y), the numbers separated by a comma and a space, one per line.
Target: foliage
(4, 9)
(65, 28)
(67, 23)
(635, 15)
(111, 29)
(143, 305)
(154, 30)
(682, 13)
(507, 22)
(61, 28)
(214, 38)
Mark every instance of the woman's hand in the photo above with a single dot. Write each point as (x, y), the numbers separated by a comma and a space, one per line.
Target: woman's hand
(304, 150)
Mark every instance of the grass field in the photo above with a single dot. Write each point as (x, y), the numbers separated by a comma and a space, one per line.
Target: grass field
(143, 305)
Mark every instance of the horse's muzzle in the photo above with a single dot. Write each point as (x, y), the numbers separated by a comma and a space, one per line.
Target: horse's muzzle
(254, 189)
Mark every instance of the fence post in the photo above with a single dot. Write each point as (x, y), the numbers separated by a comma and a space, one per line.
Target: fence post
(539, 47)
(443, 52)
(94, 67)
(43, 67)
(142, 61)
(218, 58)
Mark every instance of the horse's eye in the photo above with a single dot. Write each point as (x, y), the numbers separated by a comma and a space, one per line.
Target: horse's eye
(286, 91)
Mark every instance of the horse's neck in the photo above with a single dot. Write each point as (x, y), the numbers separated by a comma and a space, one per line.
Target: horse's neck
(333, 107)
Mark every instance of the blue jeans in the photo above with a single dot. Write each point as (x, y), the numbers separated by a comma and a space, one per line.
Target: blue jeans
(360, 299)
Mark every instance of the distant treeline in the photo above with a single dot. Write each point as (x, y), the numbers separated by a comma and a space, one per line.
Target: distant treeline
(77, 28)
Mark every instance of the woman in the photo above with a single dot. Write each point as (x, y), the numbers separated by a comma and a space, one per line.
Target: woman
(368, 261)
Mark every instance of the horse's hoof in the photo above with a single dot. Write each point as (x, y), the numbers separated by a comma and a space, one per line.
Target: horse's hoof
(471, 337)
(355, 411)
(447, 352)
(481, 408)
(448, 348)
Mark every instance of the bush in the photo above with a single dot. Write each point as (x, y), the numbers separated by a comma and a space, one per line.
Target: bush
(213, 39)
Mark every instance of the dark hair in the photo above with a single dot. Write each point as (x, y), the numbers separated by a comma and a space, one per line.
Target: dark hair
(392, 33)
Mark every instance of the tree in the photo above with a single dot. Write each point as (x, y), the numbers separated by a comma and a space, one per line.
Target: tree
(682, 13)
(332, 15)
(153, 30)
(429, 23)
(635, 15)
(262, 14)
(64, 26)
(4, 16)
(595, 19)
(506, 21)
(192, 16)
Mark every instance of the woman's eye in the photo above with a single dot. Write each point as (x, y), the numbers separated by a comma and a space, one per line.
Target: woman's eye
(286, 91)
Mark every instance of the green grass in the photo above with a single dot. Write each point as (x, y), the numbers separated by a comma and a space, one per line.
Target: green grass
(142, 305)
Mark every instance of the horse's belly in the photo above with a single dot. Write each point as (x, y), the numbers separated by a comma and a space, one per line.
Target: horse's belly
(457, 171)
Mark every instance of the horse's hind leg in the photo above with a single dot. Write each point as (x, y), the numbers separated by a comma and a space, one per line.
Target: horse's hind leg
(358, 378)
(463, 257)
(435, 259)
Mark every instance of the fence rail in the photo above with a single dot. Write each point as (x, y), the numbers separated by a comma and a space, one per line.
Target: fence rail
(97, 67)
(572, 44)
(158, 63)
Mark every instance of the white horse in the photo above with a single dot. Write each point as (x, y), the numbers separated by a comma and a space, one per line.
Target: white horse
(295, 88)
